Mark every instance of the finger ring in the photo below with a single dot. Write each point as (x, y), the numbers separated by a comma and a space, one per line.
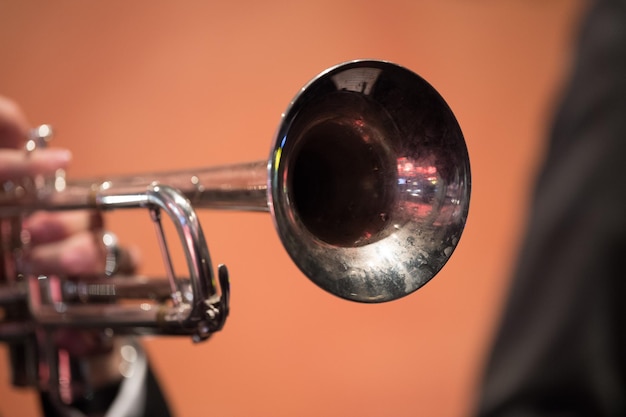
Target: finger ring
(38, 138)
(112, 253)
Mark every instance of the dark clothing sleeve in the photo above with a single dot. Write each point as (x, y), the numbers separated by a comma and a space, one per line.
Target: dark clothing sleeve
(99, 403)
(560, 349)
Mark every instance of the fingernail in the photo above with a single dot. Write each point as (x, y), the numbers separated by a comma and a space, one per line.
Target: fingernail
(54, 156)
(60, 155)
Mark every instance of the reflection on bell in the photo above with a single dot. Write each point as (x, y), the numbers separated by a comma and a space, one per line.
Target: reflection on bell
(369, 181)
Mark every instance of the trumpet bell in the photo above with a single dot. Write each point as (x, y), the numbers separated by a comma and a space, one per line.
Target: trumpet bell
(369, 181)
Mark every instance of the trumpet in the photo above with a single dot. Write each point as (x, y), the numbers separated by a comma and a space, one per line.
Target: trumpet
(367, 181)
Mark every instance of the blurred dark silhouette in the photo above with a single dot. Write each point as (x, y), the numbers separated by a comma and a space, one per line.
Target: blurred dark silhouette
(560, 349)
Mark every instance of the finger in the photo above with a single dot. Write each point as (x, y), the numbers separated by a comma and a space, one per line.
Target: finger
(77, 255)
(80, 254)
(13, 124)
(16, 164)
(83, 343)
(46, 227)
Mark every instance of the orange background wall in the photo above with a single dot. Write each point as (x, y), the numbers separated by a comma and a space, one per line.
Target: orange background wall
(153, 85)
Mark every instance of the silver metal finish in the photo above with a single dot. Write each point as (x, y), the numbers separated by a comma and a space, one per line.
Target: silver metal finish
(368, 183)
(111, 261)
(195, 301)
